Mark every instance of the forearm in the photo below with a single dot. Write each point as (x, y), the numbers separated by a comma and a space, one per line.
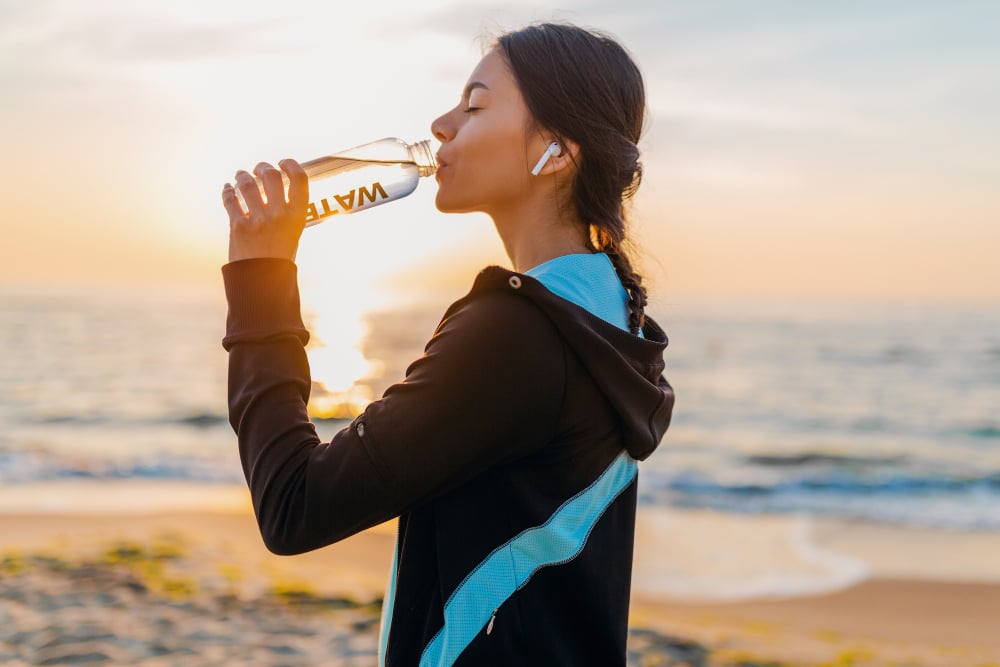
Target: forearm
(268, 379)
(305, 494)
(267, 412)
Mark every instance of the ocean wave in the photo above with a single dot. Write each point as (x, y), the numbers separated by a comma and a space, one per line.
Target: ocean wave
(878, 482)
(949, 512)
(194, 420)
(969, 501)
(197, 420)
(813, 458)
(984, 432)
(40, 465)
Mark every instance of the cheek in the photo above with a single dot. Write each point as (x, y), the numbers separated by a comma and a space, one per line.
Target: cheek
(488, 170)
(499, 158)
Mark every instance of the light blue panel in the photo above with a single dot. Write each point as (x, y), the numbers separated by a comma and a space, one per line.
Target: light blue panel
(510, 566)
(387, 603)
(589, 281)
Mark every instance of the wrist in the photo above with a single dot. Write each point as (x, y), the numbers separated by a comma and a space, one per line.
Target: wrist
(240, 249)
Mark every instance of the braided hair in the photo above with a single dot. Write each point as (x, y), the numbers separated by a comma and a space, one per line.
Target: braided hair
(583, 86)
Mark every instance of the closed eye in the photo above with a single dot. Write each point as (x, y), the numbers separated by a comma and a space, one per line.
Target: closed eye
(472, 109)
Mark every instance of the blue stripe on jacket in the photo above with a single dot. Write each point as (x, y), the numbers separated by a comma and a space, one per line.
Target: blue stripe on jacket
(589, 281)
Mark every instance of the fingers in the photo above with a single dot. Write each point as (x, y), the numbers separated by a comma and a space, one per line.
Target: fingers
(251, 193)
(270, 177)
(298, 185)
(268, 212)
(232, 204)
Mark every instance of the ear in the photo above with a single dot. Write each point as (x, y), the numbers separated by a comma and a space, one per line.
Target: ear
(564, 159)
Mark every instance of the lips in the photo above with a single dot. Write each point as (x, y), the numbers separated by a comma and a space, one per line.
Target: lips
(441, 164)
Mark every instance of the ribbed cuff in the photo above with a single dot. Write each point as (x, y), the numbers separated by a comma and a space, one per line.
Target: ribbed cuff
(263, 296)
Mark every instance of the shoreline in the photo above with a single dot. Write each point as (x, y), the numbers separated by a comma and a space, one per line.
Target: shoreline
(696, 556)
(705, 556)
(911, 620)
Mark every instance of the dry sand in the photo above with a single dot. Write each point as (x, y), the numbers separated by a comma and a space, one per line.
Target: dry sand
(879, 621)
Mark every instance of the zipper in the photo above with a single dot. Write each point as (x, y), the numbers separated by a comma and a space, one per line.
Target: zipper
(489, 627)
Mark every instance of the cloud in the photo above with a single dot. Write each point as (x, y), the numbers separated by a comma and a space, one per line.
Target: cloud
(794, 108)
(867, 73)
(124, 41)
(118, 38)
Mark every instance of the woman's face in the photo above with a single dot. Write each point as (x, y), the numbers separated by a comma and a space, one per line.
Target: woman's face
(483, 161)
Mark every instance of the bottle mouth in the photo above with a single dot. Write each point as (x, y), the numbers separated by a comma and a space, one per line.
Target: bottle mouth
(424, 157)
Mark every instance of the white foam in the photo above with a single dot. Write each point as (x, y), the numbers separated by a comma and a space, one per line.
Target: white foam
(714, 557)
(120, 497)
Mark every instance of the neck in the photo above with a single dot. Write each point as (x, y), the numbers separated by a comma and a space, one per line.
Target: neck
(536, 230)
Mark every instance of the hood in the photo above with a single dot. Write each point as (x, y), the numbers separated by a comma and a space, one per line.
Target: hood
(627, 368)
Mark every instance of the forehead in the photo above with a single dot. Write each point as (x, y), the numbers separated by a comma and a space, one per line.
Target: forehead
(493, 73)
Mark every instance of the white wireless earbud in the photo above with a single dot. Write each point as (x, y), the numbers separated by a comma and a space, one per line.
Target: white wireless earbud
(553, 149)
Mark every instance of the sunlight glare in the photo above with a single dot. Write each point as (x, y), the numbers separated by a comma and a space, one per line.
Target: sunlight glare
(337, 363)
(340, 268)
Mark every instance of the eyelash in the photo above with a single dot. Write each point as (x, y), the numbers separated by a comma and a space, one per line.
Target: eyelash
(471, 109)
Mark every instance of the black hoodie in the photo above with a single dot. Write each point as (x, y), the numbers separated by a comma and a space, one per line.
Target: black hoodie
(508, 454)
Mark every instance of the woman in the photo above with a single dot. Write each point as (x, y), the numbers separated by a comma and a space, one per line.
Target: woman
(509, 451)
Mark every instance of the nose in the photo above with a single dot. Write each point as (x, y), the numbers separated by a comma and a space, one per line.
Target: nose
(441, 128)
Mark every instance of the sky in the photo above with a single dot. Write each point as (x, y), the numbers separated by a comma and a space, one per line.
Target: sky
(842, 150)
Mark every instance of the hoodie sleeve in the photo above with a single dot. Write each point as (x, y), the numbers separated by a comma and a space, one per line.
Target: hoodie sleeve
(487, 390)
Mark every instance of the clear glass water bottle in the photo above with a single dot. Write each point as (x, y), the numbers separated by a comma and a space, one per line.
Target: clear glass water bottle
(359, 178)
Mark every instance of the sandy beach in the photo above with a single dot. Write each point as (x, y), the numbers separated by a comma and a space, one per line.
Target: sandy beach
(198, 587)
(927, 597)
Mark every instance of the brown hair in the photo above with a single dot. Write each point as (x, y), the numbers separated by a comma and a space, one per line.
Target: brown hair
(583, 86)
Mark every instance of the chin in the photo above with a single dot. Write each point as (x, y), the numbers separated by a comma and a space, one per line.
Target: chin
(446, 205)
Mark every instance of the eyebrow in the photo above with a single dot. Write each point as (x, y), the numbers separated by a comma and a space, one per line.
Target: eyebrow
(472, 86)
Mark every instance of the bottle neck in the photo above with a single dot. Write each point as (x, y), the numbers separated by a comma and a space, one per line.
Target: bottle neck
(424, 158)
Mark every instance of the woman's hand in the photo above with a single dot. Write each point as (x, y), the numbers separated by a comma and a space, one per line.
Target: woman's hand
(270, 229)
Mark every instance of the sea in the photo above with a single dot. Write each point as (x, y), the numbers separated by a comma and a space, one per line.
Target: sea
(789, 412)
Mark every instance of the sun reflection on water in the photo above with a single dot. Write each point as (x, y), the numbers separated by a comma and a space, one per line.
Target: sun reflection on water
(338, 290)
(337, 364)
(349, 271)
